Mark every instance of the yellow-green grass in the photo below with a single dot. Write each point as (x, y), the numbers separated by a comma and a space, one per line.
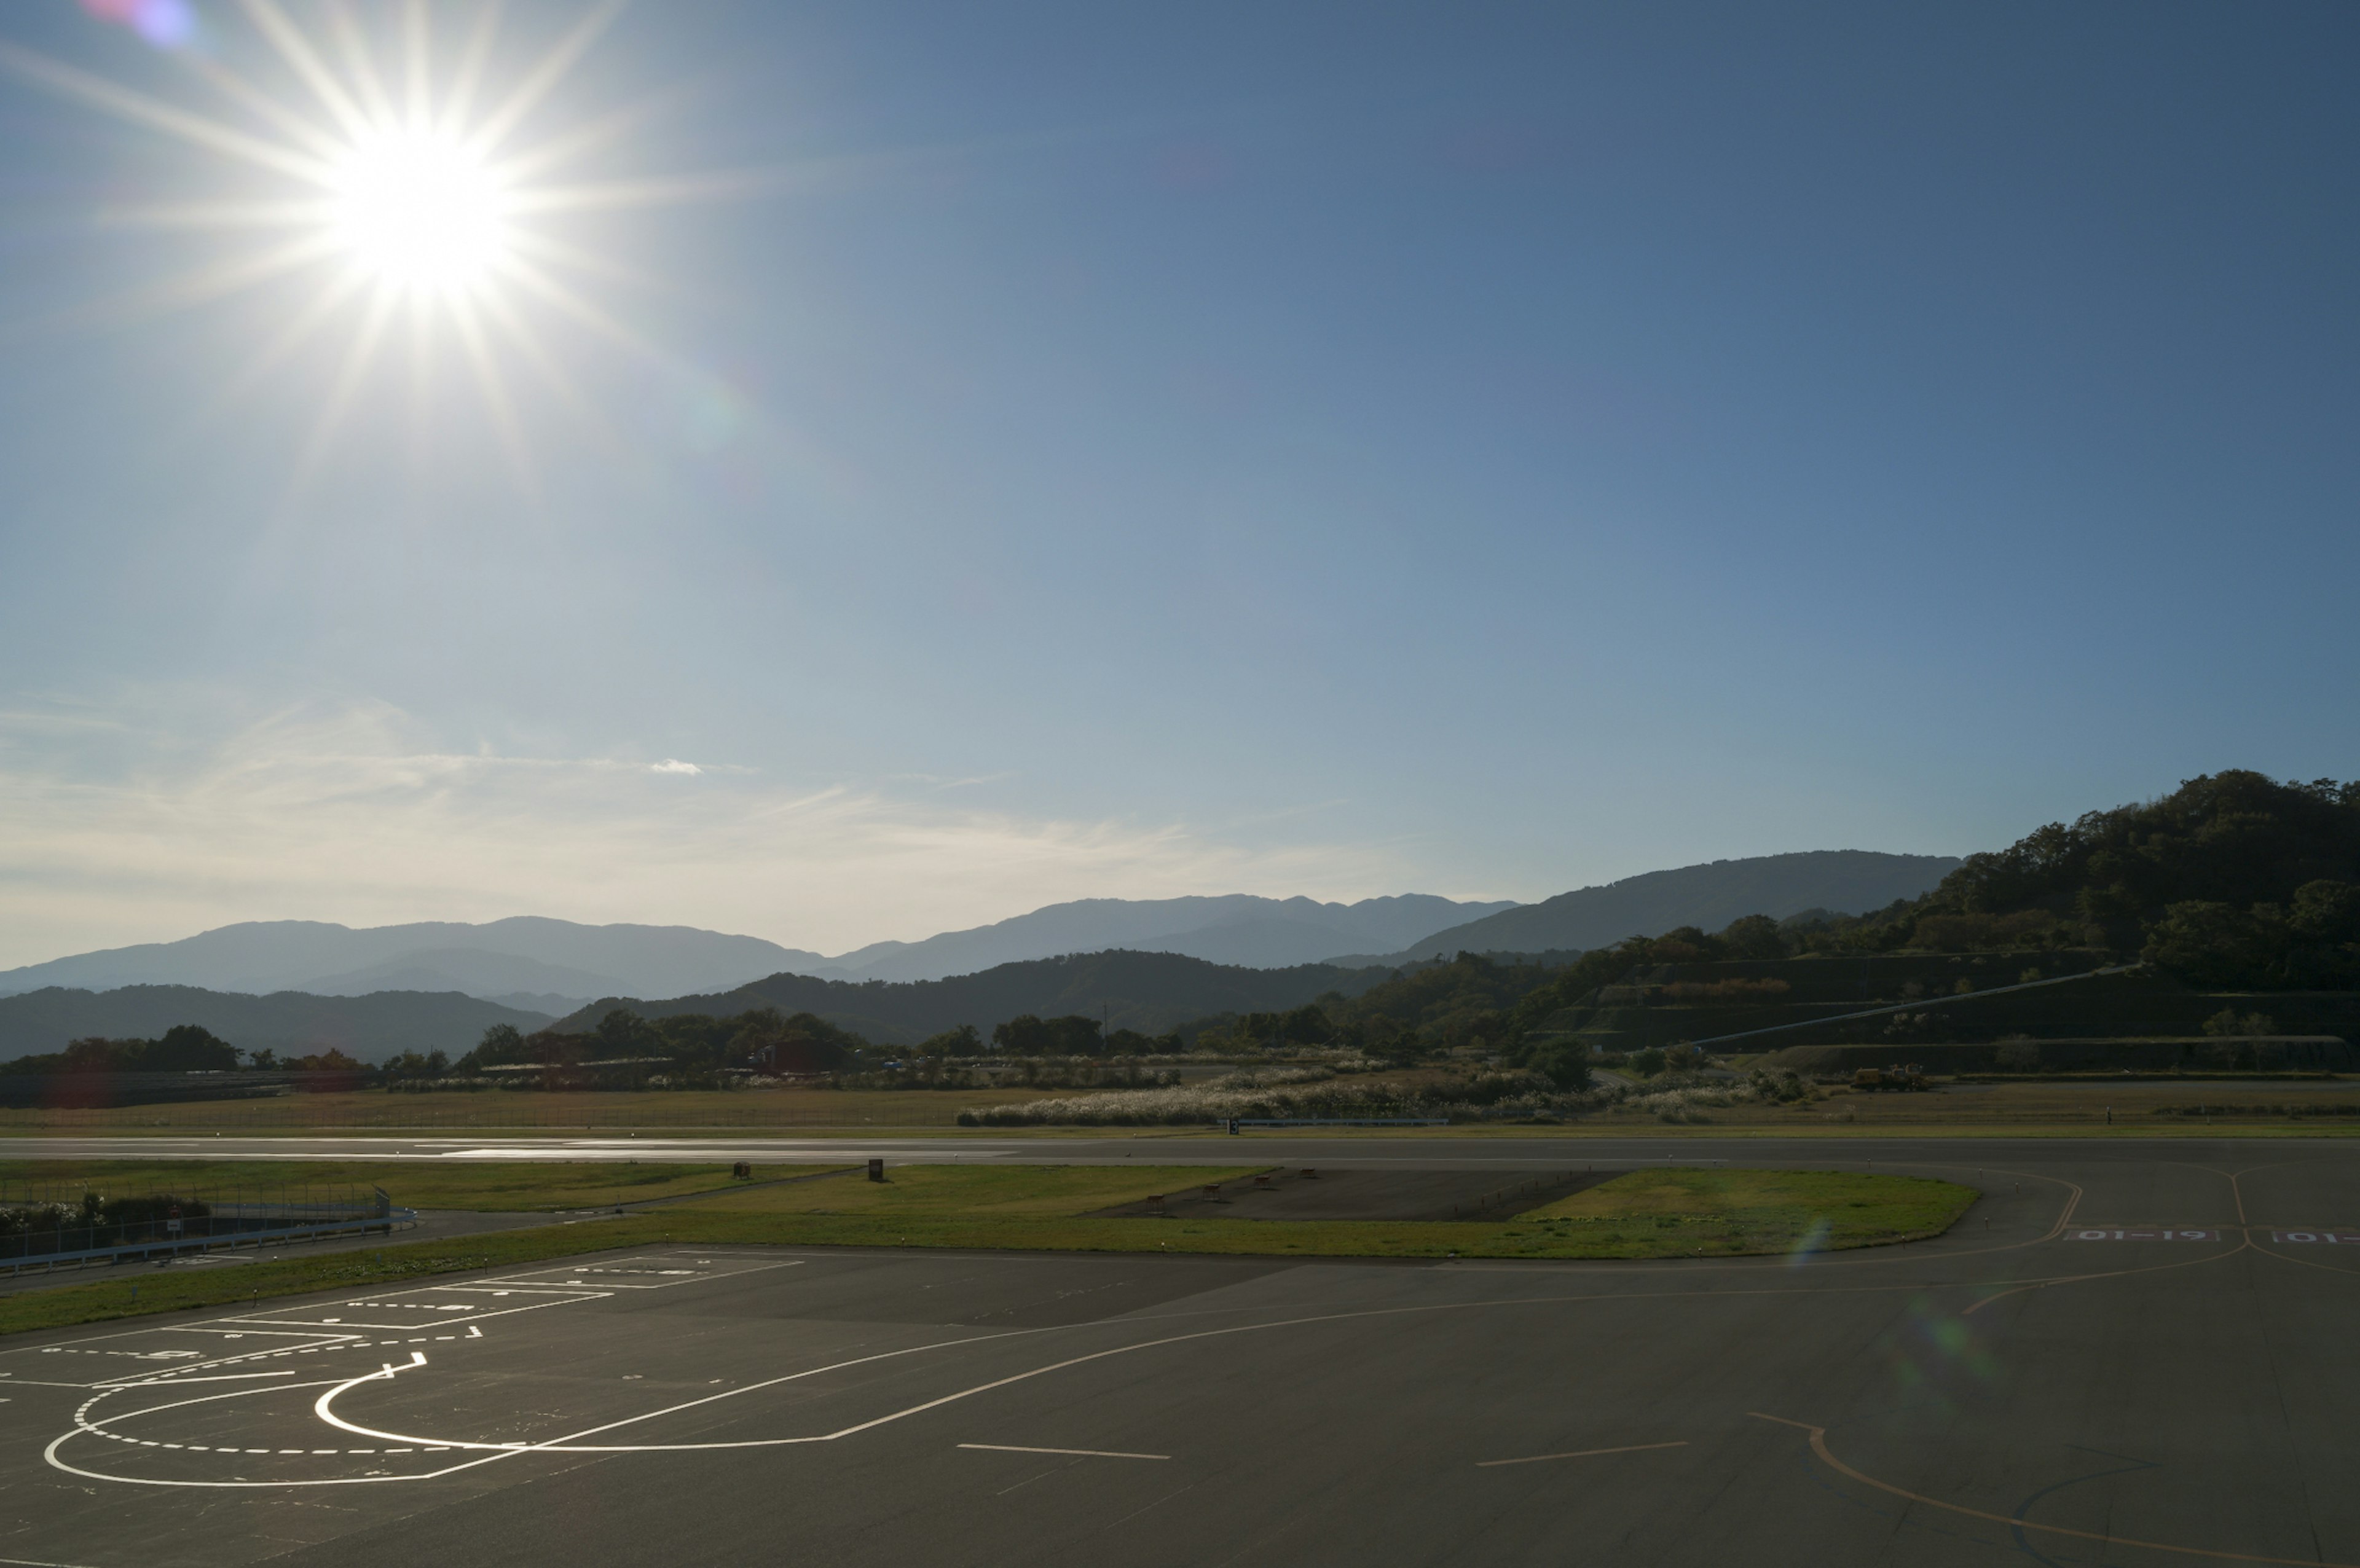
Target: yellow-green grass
(507, 1185)
(1725, 1210)
(1654, 1214)
(512, 1111)
(167, 1290)
(973, 1194)
(2257, 1107)
(1650, 1214)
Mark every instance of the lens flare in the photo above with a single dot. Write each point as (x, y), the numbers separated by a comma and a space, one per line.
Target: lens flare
(1813, 1241)
(167, 23)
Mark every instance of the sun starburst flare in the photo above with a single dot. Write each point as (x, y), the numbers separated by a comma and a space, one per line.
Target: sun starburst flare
(409, 181)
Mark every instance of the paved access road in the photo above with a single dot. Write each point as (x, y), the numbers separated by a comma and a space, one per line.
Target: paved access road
(2029, 1387)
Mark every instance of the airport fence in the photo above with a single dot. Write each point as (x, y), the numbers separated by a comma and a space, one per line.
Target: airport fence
(54, 1224)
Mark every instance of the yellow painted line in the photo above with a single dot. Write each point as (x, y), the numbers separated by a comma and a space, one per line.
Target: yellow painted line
(1820, 1447)
(1079, 1453)
(1579, 1454)
(2107, 1274)
(2071, 1203)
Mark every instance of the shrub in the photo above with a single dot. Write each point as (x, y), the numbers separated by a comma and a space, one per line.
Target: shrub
(1564, 1063)
(1724, 990)
(1965, 933)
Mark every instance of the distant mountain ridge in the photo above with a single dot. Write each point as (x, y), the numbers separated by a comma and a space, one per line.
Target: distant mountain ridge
(526, 954)
(369, 1029)
(1237, 928)
(1150, 992)
(554, 966)
(1848, 881)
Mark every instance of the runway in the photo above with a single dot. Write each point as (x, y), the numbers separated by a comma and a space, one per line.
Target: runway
(2125, 1354)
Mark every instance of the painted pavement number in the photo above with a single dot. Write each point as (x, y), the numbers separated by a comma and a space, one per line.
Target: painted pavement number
(2145, 1235)
(2347, 1238)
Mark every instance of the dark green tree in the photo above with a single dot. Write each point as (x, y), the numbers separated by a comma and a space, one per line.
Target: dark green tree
(961, 1041)
(1753, 936)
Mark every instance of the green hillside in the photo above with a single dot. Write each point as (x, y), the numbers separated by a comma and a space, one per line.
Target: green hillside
(1149, 993)
(2238, 896)
(287, 1023)
(2233, 881)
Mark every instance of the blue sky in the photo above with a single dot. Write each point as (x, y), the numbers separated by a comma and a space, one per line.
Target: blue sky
(1074, 450)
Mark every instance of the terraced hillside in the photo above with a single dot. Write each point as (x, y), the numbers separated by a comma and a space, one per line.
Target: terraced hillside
(1965, 999)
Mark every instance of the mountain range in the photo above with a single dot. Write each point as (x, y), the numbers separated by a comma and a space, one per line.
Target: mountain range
(369, 1029)
(1239, 928)
(526, 970)
(538, 966)
(1150, 992)
(553, 966)
(1850, 881)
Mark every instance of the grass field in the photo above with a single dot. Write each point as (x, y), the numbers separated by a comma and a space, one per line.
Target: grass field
(1646, 1215)
(2235, 1107)
(1727, 1210)
(508, 1186)
(1654, 1214)
(527, 1111)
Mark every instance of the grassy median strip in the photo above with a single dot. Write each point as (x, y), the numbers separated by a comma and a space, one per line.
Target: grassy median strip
(1677, 1211)
(184, 1288)
(1669, 1213)
(1647, 1214)
(511, 1186)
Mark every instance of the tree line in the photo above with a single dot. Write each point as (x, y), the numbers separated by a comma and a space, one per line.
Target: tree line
(2234, 880)
(183, 1048)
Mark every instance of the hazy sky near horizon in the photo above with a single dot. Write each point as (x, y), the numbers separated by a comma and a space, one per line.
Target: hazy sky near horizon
(1053, 451)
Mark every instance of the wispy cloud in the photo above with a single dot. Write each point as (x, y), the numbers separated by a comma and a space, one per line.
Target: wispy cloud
(357, 816)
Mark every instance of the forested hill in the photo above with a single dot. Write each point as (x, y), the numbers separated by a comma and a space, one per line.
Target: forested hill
(1847, 881)
(2233, 879)
(291, 1023)
(1149, 992)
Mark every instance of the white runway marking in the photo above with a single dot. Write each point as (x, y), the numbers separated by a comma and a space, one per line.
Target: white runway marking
(1079, 1453)
(1578, 1453)
(639, 1273)
(469, 1454)
(430, 1312)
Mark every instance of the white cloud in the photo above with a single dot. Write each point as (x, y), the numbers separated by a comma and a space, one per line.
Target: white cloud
(674, 765)
(356, 816)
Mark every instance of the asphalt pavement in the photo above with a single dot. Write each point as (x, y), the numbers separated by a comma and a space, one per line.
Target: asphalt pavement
(2127, 1353)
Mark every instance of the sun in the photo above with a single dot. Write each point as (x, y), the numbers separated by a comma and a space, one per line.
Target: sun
(408, 172)
(416, 209)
